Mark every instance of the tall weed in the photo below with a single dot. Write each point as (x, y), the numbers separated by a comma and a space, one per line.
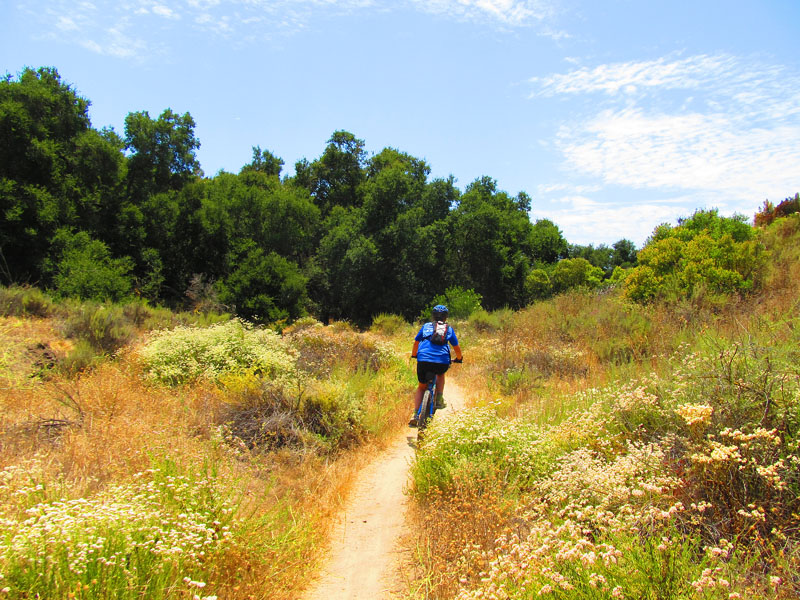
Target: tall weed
(104, 326)
(387, 324)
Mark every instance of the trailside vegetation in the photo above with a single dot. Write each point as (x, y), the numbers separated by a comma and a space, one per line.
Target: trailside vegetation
(622, 449)
(152, 454)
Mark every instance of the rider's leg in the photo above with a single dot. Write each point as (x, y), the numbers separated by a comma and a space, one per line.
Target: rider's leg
(417, 401)
(440, 403)
(418, 395)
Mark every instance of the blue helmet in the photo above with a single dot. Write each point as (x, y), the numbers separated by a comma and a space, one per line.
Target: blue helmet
(440, 312)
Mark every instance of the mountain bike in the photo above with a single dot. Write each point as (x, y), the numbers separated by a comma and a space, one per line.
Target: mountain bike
(427, 407)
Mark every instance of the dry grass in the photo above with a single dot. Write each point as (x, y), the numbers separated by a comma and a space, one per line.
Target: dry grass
(110, 422)
(454, 533)
(75, 436)
(28, 347)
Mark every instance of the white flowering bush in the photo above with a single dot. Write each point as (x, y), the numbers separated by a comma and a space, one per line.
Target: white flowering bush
(477, 442)
(669, 485)
(185, 354)
(560, 560)
(138, 540)
(604, 525)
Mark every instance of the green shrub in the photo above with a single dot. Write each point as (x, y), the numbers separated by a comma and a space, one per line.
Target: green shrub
(335, 411)
(460, 302)
(484, 322)
(476, 442)
(705, 256)
(344, 326)
(572, 273)
(324, 415)
(264, 288)
(183, 354)
(86, 270)
(538, 285)
(138, 312)
(81, 357)
(388, 324)
(103, 326)
(616, 330)
(618, 276)
(301, 324)
(19, 301)
(197, 319)
(146, 317)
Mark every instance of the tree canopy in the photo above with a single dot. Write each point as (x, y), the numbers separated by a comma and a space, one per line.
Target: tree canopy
(348, 235)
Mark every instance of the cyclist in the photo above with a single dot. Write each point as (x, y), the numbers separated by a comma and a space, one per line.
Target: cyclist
(432, 350)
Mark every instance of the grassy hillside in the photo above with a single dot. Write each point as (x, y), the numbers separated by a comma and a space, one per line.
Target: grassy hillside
(146, 454)
(623, 450)
(615, 449)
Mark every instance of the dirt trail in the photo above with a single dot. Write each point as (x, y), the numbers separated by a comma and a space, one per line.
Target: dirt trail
(364, 557)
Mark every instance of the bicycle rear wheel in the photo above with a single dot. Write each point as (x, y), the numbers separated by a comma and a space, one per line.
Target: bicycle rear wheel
(424, 413)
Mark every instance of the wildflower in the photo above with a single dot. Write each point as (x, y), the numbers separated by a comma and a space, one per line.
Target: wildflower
(595, 579)
(695, 414)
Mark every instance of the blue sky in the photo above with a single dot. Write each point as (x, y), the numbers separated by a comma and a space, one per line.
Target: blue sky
(614, 115)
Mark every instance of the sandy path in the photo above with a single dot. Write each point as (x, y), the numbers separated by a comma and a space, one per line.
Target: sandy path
(364, 557)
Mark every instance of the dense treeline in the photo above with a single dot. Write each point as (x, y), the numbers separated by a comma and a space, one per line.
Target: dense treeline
(93, 214)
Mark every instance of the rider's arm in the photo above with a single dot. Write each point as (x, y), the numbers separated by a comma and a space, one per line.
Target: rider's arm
(457, 350)
(414, 349)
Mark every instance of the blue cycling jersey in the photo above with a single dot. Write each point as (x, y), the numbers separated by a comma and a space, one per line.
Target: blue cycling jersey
(434, 353)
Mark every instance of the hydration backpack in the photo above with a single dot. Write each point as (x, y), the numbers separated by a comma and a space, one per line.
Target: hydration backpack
(439, 334)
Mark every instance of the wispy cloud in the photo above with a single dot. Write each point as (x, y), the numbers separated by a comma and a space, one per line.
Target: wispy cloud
(65, 23)
(507, 12)
(87, 23)
(584, 220)
(164, 11)
(703, 131)
(629, 77)
(722, 127)
(712, 152)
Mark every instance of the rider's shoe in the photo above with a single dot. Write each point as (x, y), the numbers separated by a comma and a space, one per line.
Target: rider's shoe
(413, 422)
(440, 403)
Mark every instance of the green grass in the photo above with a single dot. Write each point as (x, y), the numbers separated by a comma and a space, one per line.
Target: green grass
(136, 540)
